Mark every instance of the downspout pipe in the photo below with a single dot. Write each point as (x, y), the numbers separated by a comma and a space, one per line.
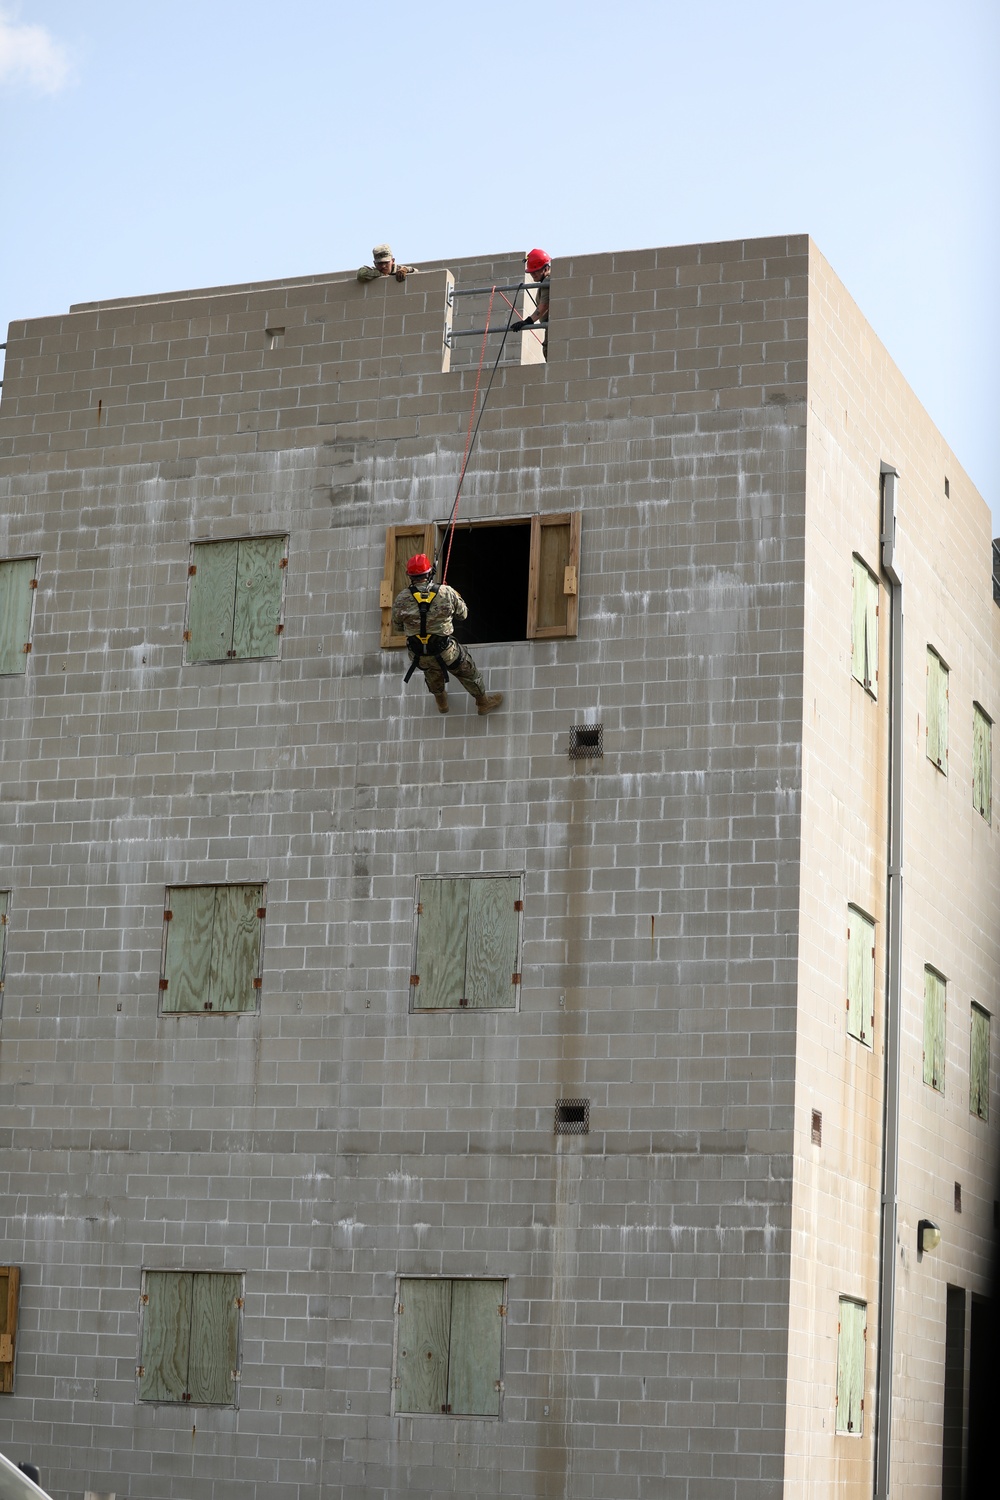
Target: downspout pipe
(893, 995)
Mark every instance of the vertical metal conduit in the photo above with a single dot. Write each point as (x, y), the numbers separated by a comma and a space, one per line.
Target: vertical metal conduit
(893, 995)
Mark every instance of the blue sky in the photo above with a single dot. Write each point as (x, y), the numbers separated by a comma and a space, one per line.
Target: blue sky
(149, 146)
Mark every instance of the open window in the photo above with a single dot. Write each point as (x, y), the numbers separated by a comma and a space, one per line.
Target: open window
(520, 578)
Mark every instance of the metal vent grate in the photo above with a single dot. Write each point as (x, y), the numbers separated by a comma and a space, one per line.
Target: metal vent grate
(572, 1116)
(586, 740)
(817, 1127)
(958, 1197)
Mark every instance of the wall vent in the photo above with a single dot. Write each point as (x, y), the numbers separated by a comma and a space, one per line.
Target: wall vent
(817, 1127)
(572, 1116)
(958, 1197)
(586, 740)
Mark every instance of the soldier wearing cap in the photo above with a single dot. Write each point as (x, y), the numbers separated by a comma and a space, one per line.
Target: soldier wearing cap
(384, 265)
(425, 615)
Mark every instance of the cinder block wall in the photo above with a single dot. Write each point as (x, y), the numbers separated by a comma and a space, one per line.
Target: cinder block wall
(862, 414)
(334, 1141)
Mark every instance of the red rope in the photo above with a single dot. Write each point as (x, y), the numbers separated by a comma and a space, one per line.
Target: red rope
(468, 436)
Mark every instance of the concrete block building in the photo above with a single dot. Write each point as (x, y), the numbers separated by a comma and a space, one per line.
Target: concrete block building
(594, 1100)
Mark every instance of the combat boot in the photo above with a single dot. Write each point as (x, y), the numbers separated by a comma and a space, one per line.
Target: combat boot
(441, 699)
(488, 702)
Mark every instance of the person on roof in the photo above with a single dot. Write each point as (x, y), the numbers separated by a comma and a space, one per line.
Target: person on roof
(538, 265)
(425, 614)
(384, 265)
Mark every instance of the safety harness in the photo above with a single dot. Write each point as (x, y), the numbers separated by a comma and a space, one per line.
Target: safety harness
(425, 643)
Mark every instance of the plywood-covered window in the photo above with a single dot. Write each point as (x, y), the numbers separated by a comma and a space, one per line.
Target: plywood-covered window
(449, 1346)
(860, 975)
(935, 1005)
(10, 1289)
(467, 943)
(864, 628)
(4, 907)
(519, 577)
(235, 598)
(937, 710)
(982, 762)
(979, 1063)
(190, 1337)
(18, 581)
(213, 938)
(851, 1338)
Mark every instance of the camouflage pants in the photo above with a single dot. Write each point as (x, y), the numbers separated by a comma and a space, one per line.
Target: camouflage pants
(462, 667)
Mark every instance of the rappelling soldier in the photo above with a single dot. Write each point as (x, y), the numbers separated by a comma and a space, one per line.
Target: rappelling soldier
(425, 613)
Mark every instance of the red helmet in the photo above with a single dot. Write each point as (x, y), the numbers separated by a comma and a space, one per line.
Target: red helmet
(419, 565)
(536, 260)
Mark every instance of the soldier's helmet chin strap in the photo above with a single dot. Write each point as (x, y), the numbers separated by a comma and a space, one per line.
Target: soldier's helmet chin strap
(422, 585)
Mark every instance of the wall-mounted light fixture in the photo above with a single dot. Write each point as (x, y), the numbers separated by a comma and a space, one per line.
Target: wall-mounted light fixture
(928, 1235)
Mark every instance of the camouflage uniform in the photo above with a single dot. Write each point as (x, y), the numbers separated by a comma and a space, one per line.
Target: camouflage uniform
(448, 605)
(372, 273)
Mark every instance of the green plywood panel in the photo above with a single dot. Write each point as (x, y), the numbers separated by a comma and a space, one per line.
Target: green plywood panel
(15, 613)
(188, 965)
(979, 1064)
(215, 1325)
(937, 711)
(934, 1029)
(860, 975)
(442, 929)
(851, 1367)
(491, 954)
(982, 763)
(859, 606)
(422, 1344)
(166, 1331)
(871, 634)
(258, 596)
(212, 600)
(235, 947)
(474, 1367)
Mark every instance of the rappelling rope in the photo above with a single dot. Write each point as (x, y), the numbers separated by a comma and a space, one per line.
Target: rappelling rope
(471, 433)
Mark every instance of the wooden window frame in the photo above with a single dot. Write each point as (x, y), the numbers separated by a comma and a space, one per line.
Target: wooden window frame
(936, 734)
(979, 1063)
(935, 1031)
(860, 976)
(10, 1298)
(541, 581)
(438, 1348)
(216, 951)
(232, 654)
(982, 762)
(864, 626)
(850, 1398)
(17, 615)
(150, 1376)
(457, 937)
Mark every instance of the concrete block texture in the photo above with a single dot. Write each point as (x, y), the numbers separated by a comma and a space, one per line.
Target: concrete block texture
(671, 1276)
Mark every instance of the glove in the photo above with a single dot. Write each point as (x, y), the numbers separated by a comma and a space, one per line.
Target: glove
(400, 273)
(519, 324)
